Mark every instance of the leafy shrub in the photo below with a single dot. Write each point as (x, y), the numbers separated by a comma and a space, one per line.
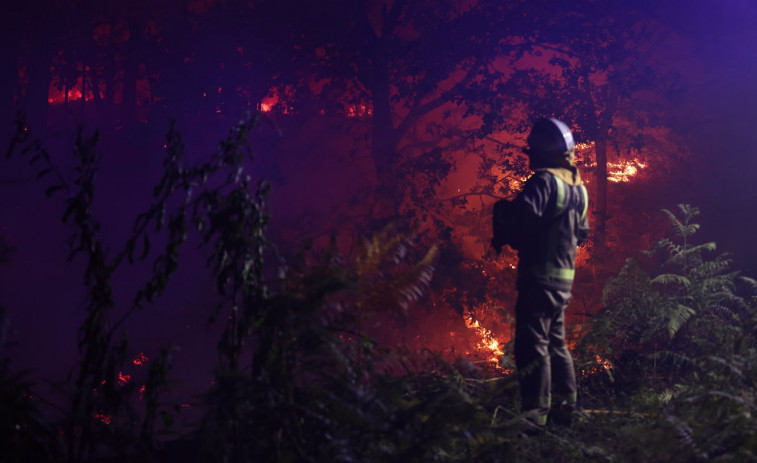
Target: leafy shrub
(681, 339)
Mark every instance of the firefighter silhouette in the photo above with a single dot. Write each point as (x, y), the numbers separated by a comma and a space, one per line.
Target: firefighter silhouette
(545, 223)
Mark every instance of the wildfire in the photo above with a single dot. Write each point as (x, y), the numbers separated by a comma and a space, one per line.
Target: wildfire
(622, 171)
(487, 343)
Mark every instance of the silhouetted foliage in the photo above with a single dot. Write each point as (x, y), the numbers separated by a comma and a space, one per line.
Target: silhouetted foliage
(680, 337)
(299, 377)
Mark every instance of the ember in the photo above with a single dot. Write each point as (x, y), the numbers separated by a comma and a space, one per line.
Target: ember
(103, 417)
(600, 366)
(123, 378)
(140, 359)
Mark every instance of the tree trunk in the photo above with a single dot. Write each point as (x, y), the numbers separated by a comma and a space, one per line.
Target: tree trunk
(601, 143)
(383, 136)
(600, 226)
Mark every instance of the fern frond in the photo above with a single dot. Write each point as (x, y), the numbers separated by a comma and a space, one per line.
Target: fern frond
(710, 246)
(685, 433)
(741, 401)
(413, 283)
(678, 317)
(671, 279)
(689, 229)
(688, 211)
(630, 281)
(717, 292)
(729, 366)
(750, 283)
(723, 312)
(718, 286)
(672, 248)
(677, 225)
(388, 281)
(381, 247)
(678, 359)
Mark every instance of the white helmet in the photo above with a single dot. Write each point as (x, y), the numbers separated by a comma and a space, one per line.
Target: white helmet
(550, 139)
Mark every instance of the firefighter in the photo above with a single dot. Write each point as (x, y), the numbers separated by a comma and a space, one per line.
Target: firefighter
(545, 223)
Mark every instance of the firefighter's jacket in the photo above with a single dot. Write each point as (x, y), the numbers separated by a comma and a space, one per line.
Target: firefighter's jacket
(545, 223)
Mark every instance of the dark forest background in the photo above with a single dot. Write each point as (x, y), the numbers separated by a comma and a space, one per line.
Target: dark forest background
(276, 224)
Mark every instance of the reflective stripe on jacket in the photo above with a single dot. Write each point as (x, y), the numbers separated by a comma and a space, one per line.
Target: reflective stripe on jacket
(552, 210)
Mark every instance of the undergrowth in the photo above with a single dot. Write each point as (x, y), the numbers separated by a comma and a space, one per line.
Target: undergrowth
(298, 378)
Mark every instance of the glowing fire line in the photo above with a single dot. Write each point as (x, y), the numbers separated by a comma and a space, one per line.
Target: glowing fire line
(493, 350)
(617, 172)
(623, 171)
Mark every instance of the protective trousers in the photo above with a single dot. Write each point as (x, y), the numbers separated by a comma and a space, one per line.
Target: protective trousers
(541, 355)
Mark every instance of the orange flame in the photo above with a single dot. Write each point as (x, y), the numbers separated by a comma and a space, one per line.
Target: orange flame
(621, 171)
(600, 366)
(605, 364)
(487, 343)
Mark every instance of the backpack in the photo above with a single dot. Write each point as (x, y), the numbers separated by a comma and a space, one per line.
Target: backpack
(502, 230)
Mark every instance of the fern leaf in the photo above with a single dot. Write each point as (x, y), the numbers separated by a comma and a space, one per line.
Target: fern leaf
(724, 312)
(678, 317)
(690, 229)
(671, 279)
(688, 211)
(710, 246)
(413, 283)
(750, 283)
(672, 248)
(685, 433)
(679, 228)
(729, 366)
(630, 281)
